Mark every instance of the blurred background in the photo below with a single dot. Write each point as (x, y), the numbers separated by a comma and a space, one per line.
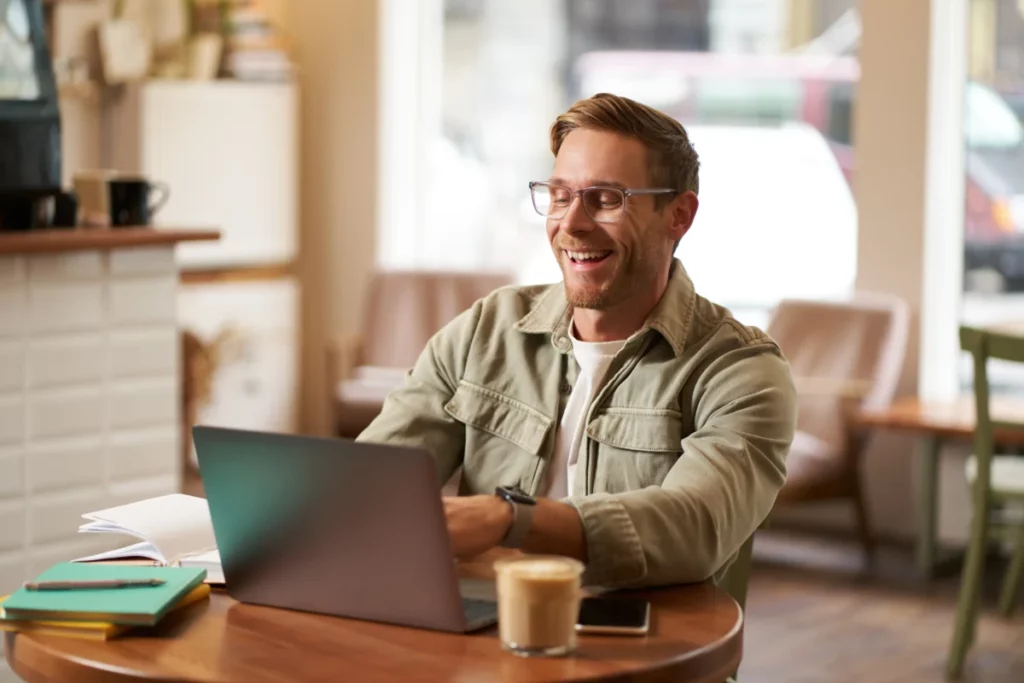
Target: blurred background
(366, 164)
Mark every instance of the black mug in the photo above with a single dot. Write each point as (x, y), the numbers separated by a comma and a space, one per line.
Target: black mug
(130, 202)
(24, 212)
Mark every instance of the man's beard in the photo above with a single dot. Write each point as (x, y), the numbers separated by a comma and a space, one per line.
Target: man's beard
(626, 279)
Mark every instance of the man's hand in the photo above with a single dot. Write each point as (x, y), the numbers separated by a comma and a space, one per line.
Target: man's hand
(476, 523)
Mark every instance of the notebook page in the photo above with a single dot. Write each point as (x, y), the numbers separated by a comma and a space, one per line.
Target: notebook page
(176, 524)
(143, 549)
(210, 561)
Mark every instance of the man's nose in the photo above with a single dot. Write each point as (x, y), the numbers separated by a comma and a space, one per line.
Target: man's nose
(576, 219)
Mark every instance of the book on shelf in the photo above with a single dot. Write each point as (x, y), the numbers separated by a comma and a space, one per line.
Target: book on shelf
(172, 530)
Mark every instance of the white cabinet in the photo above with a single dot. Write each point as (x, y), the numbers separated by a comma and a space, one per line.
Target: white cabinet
(228, 150)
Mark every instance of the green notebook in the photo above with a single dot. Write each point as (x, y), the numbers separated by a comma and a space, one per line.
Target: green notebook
(138, 605)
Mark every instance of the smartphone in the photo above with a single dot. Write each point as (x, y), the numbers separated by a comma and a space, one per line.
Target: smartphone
(616, 616)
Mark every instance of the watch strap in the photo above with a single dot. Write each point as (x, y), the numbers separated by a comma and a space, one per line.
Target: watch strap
(522, 520)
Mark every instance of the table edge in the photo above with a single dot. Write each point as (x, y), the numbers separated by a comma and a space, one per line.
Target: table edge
(728, 661)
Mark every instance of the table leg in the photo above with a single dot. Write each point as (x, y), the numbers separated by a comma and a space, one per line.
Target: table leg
(928, 503)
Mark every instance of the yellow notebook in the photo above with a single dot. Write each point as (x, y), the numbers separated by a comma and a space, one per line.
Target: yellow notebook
(89, 630)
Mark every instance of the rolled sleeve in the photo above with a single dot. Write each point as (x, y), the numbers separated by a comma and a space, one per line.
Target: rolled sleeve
(615, 552)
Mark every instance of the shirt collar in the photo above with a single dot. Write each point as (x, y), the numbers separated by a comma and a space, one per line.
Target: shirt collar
(671, 318)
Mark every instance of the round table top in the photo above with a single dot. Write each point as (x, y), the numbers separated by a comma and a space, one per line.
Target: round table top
(695, 635)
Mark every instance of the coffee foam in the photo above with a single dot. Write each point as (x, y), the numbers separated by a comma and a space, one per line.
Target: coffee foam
(542, 569)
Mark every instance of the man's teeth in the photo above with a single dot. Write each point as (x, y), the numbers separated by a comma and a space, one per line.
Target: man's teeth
(586, 255)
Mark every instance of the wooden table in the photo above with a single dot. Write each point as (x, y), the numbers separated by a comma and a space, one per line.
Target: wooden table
(935, 423)
(696, 636)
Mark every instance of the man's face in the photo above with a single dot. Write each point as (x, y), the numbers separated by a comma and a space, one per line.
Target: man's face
(604, 264)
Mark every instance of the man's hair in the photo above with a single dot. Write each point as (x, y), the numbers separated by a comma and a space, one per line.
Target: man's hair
(671, 160)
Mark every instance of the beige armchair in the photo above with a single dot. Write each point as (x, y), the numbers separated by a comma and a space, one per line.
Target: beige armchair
(404, 309)
(844, 356)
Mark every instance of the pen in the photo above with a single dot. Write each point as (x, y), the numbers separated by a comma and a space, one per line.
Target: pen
(77, 585)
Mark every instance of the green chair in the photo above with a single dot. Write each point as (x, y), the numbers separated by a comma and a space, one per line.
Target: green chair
(994, 480)
(736, 579)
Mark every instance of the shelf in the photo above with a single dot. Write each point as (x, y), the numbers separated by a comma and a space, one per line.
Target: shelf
(84, 239)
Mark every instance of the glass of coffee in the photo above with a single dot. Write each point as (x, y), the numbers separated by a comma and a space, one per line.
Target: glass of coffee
(538, 604)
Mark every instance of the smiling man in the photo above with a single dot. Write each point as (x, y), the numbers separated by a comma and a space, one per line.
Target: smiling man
(617, 417)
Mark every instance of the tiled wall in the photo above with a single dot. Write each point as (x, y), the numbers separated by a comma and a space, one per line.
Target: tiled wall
(88, 397)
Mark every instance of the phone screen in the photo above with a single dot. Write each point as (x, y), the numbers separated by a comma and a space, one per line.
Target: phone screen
(613, 614)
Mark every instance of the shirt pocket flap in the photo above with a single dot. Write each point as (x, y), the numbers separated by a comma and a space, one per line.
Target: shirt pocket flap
(500, 415)
(634, 430)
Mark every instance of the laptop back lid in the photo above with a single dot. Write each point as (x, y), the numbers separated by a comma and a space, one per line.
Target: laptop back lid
(330, 526)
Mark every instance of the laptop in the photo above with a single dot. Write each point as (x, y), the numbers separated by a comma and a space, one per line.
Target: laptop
(335, 527)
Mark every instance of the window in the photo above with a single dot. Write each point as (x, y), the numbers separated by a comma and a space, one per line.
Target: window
(994, 178)
(766, 90)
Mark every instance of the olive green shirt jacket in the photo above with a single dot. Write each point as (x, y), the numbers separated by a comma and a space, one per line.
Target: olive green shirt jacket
(685, 443)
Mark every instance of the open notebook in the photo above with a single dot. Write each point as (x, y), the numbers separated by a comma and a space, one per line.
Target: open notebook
(172, 530)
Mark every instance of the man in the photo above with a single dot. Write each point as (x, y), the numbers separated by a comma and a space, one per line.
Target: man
(617, 417)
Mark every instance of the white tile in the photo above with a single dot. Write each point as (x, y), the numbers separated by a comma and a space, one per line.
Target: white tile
(12, 465)
(72, 265)
(143, 300)
(12, 269)
(13, 310)
(12, 366)
(143, 404)
(143, 261)
(64, 464)
(65, 360)
(44, 555)
(13, 570)
(131, 455)
(12, 525)
(66, 307)
(124, 492)
(65, 412)
(56, 517)
(12, 420)
(150, 353)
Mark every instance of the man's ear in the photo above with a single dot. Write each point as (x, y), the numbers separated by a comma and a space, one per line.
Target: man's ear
(684, 210)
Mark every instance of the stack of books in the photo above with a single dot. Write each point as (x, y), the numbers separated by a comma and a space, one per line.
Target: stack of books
(100, 601)
(255, 48)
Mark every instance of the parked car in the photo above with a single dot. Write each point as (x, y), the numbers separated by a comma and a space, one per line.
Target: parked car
(759, 89)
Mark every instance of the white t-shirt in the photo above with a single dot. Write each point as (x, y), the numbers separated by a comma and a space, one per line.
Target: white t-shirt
(593, 359)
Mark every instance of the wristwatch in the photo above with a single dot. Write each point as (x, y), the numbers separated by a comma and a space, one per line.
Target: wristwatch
(522, 514)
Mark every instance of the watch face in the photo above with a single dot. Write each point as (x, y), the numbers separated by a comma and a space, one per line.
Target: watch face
(516, 494)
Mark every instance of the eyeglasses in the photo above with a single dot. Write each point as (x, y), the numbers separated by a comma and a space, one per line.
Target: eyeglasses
(604, 204)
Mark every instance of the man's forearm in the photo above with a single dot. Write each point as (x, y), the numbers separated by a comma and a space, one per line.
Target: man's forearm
(556, 530)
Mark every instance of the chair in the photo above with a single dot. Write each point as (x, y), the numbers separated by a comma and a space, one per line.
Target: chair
(995, 480)
(403, 310)
(844, 355)
(736, 580)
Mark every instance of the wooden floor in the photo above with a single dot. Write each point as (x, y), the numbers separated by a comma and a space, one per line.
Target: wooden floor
(814, 615)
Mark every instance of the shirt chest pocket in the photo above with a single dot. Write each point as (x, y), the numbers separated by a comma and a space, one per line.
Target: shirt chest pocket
(635, 448)
(504, 438)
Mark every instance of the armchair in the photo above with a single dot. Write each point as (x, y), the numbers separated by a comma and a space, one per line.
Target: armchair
(844, 356)
(404, 309)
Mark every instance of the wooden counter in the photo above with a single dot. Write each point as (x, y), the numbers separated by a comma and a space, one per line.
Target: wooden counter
(82, 239)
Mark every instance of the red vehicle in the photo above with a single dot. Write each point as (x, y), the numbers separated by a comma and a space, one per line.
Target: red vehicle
(699, 87)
